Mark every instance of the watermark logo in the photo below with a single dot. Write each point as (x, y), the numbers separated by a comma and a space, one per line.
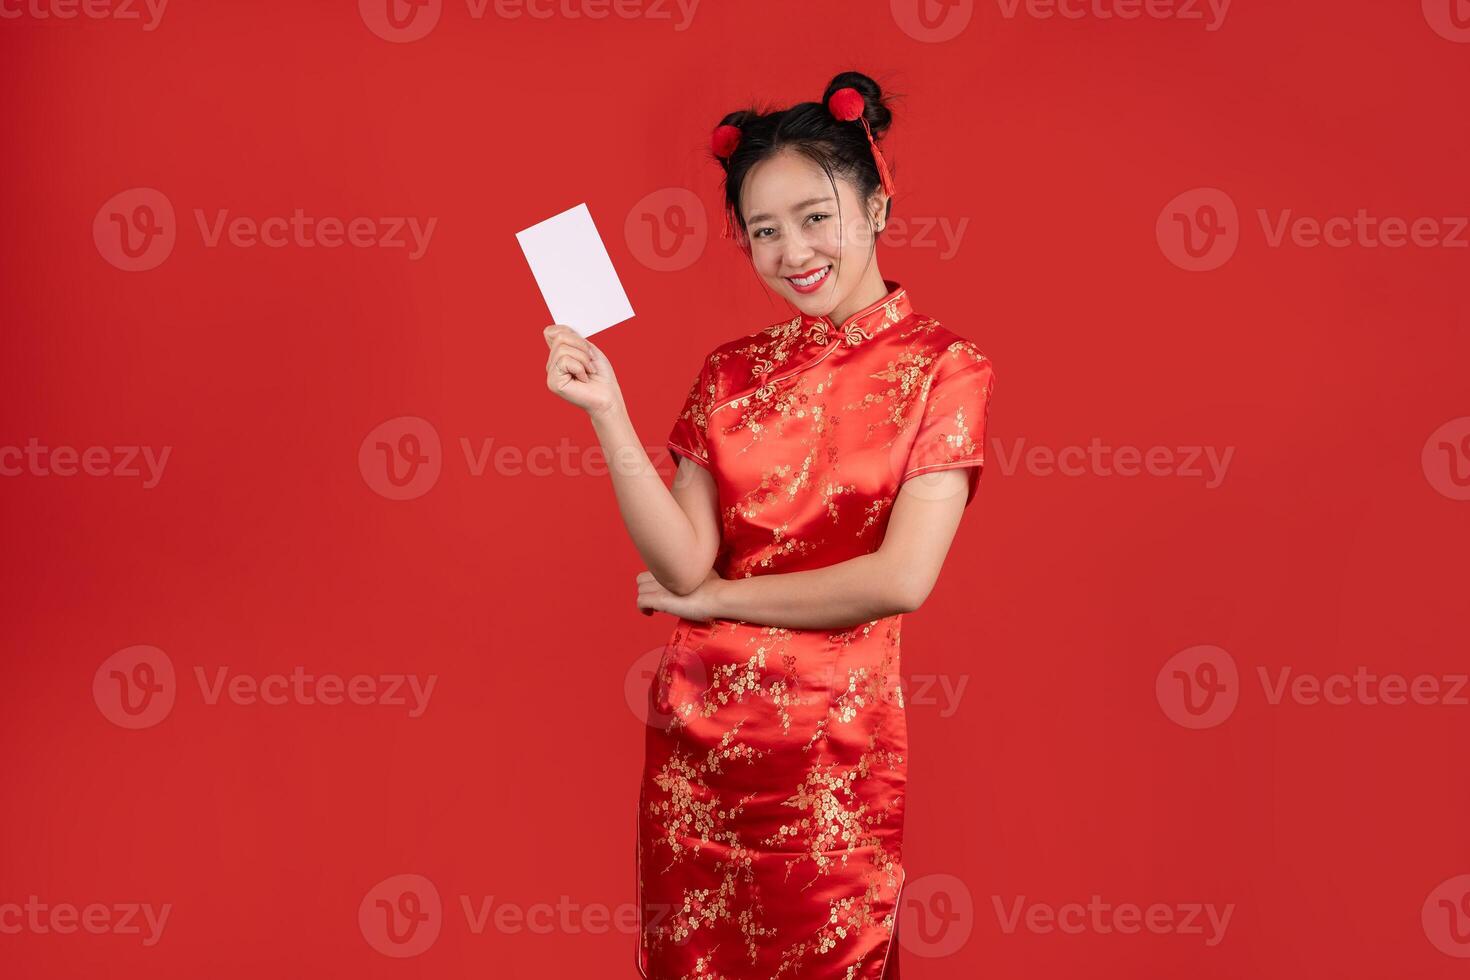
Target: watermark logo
(926, 231)
(135, 229)
(1362, 230)
(38, 460)
(148, 12)
(1363, 687)
(1207, 464)
(1450, 19)
(661, 677)
(667, 10)
(1199, 230)
(1204, 919)
(400, 21)
(927, 483)
(135, 687)
(1209, 12)
(936, 916)
(923, 232)
(932, 21)
(1198, 687)
(401, 916)
(667, 230)
(566, 917)
(302, 230)
(944, 691)
(401, 459)
(404, 21)
(96, 919)
(1446, 917)
(408, 691)
(1446, 459)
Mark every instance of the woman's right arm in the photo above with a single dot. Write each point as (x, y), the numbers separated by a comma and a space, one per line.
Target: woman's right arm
(677, 533)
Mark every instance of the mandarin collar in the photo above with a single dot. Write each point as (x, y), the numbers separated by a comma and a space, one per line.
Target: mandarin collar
(862, 325)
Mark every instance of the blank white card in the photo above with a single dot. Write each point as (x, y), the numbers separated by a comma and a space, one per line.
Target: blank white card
(574, 272)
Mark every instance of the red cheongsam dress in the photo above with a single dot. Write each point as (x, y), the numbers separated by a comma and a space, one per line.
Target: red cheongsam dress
(770, 821)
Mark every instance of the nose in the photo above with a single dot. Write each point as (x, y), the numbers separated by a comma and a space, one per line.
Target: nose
(799, 255)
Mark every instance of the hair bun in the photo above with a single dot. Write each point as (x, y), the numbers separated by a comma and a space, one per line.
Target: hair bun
(871, 103)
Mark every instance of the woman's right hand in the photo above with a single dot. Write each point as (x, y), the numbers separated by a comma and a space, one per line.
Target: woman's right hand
(578, 371)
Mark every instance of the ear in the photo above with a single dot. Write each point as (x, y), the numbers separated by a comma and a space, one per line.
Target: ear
(878, 207)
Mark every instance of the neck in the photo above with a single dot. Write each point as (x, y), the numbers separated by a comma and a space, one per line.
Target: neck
(869, 290)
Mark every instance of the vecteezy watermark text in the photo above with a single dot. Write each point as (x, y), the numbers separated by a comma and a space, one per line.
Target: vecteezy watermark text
(1126, 918)
(1201, 686)
(1210, 12)
(403, 915)
(136, 230)
(300, 687)
(96, 918)
(123, 10)
(1208, 463)
(405, 21)
(1200, 230)
(39, 460)
(137, 687)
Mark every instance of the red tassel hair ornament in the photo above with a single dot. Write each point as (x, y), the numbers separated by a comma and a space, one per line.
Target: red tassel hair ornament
(848, 104)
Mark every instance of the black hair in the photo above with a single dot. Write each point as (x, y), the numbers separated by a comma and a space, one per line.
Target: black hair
(839, 147)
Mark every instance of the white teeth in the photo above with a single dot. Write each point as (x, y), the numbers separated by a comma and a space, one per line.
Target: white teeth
(814, 278)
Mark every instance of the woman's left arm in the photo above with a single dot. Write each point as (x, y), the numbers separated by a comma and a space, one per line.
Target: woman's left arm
(896, 578)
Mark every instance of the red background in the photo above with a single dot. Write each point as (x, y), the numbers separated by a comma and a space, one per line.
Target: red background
(1057, 776)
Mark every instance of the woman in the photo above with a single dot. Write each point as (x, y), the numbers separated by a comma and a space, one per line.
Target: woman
(823, 466)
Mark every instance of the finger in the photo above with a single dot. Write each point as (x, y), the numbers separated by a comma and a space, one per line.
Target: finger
(562, 350)
(562, 371)
(563, 334)
(579, 344)
(599, 359)
(565, 357)
(567, 364)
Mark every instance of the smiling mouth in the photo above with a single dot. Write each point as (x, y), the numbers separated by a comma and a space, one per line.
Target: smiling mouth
(810, 280)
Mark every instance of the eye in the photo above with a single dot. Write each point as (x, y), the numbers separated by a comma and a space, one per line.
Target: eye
(818, 215)
(758, 232)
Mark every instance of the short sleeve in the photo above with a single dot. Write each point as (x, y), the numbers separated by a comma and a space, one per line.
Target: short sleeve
(689, 436)
(952, 427)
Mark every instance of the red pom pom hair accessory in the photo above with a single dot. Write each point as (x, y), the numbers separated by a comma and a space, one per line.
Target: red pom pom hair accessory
(723, 142)
(847, 104)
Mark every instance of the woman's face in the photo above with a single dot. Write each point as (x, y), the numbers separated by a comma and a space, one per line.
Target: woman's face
(795, 234)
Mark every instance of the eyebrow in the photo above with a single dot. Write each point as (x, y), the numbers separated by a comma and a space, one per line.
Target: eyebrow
(752, 219)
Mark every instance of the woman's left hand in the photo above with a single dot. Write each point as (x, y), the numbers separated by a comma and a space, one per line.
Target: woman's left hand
(699, 605)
